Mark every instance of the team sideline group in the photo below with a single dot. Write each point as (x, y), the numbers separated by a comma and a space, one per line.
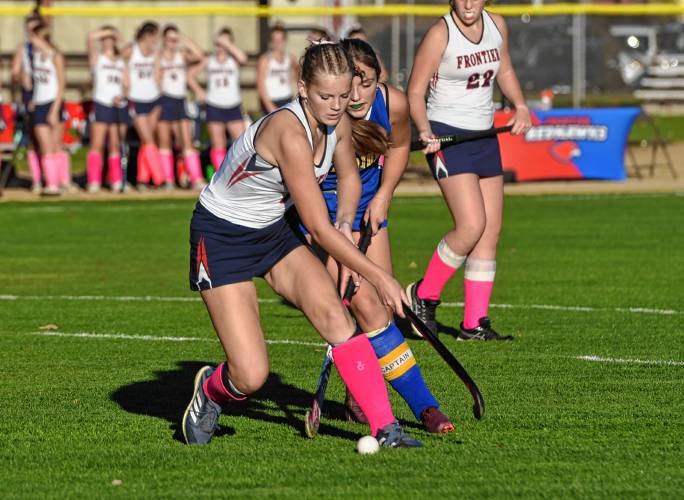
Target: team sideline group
(315, 172)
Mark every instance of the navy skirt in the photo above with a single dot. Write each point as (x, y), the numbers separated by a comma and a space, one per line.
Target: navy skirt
(481, 157)
(222, 253)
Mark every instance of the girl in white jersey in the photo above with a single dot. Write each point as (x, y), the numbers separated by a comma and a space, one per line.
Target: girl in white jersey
(178, 52)
(47, 101)
(110, 111)
(22, 74)
(222, 98)
(276, 69)
(143, 97)
(460, 58)
(240, 231)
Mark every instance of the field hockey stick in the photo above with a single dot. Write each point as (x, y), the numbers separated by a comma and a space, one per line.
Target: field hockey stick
(451, 140)
(312, 419)
(445, 354)
(123, 147)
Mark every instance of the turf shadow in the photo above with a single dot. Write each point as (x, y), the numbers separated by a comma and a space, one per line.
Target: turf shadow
(167, 395)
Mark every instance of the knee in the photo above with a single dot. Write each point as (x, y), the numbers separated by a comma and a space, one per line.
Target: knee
(369, 312)
(469, 233)
(248, 379)
(333, 323)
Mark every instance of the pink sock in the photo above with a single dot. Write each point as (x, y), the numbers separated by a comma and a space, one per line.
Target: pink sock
(94, 167)
(478, 283)
(143, 175)
(154, 163)
(194, 166)
(443, 265)
(51, 168)
(115, 174)
(359, 368)
(64, 168)
(217, 155)
(166, 158)
(216, 391)
(34, 166)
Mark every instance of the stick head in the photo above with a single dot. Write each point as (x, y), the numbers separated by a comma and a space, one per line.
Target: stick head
(312, 420)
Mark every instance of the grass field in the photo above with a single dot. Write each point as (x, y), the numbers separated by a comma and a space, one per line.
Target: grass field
(598, 276)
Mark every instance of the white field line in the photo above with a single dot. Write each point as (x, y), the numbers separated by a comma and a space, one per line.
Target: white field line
(152, 298)
(152, 338)
(116, 298)
(551, 307)
(630, 361)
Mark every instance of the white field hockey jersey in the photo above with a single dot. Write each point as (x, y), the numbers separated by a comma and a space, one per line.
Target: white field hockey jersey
(174, 76)
(249, 191)
(461, 92)
(108, 79)
(278, 78)
(45, 85)
(223, 83)
(142, 85)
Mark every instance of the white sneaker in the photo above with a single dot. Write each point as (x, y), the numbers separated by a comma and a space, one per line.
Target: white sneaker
(94, 187)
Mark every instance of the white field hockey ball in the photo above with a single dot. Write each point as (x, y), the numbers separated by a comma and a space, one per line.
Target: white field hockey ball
(367, 445)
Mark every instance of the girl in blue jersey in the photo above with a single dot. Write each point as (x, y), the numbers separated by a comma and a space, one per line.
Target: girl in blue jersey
(381, 111)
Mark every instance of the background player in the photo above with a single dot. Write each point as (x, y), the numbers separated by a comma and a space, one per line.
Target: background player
(143, 95)
(178, 52)
(276, 70)
(242, 229)
(22, 74)
(380, 171)
(111, 113)
(459, 58)
(47, 101)
(223, 100)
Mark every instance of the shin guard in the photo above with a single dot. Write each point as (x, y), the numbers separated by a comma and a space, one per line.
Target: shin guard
(400, 369)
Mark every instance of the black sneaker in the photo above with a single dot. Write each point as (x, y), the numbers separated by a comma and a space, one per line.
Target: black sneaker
(393, 436)
(425, 309)
(482, 332)
(200, 419)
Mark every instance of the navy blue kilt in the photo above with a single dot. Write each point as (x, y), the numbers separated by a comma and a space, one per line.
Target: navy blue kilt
(222, 253)
(481, 156)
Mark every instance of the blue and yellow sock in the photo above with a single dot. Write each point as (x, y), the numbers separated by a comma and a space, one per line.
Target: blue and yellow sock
(400, 368)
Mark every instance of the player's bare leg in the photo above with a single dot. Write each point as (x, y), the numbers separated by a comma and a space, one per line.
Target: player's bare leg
(302, 279)
(246, 366)
(480, 267)
(400, 368)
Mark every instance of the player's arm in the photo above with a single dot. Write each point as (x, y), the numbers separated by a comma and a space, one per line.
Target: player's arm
(426, 64)
(396, 158)
(56, 108)
(127, 51)
(236, 52)
(262, 73)
(348, 180)
(294, 157)
(93, 38)
(193, 54)
(509, 84)
(194, 85)
(158, 71)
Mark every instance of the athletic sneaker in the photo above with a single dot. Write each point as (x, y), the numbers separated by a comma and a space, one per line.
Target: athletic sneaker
(393, 436)
(482, 332)
(436, 422)
(200, 419)
(425, 309)
(353, 411)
